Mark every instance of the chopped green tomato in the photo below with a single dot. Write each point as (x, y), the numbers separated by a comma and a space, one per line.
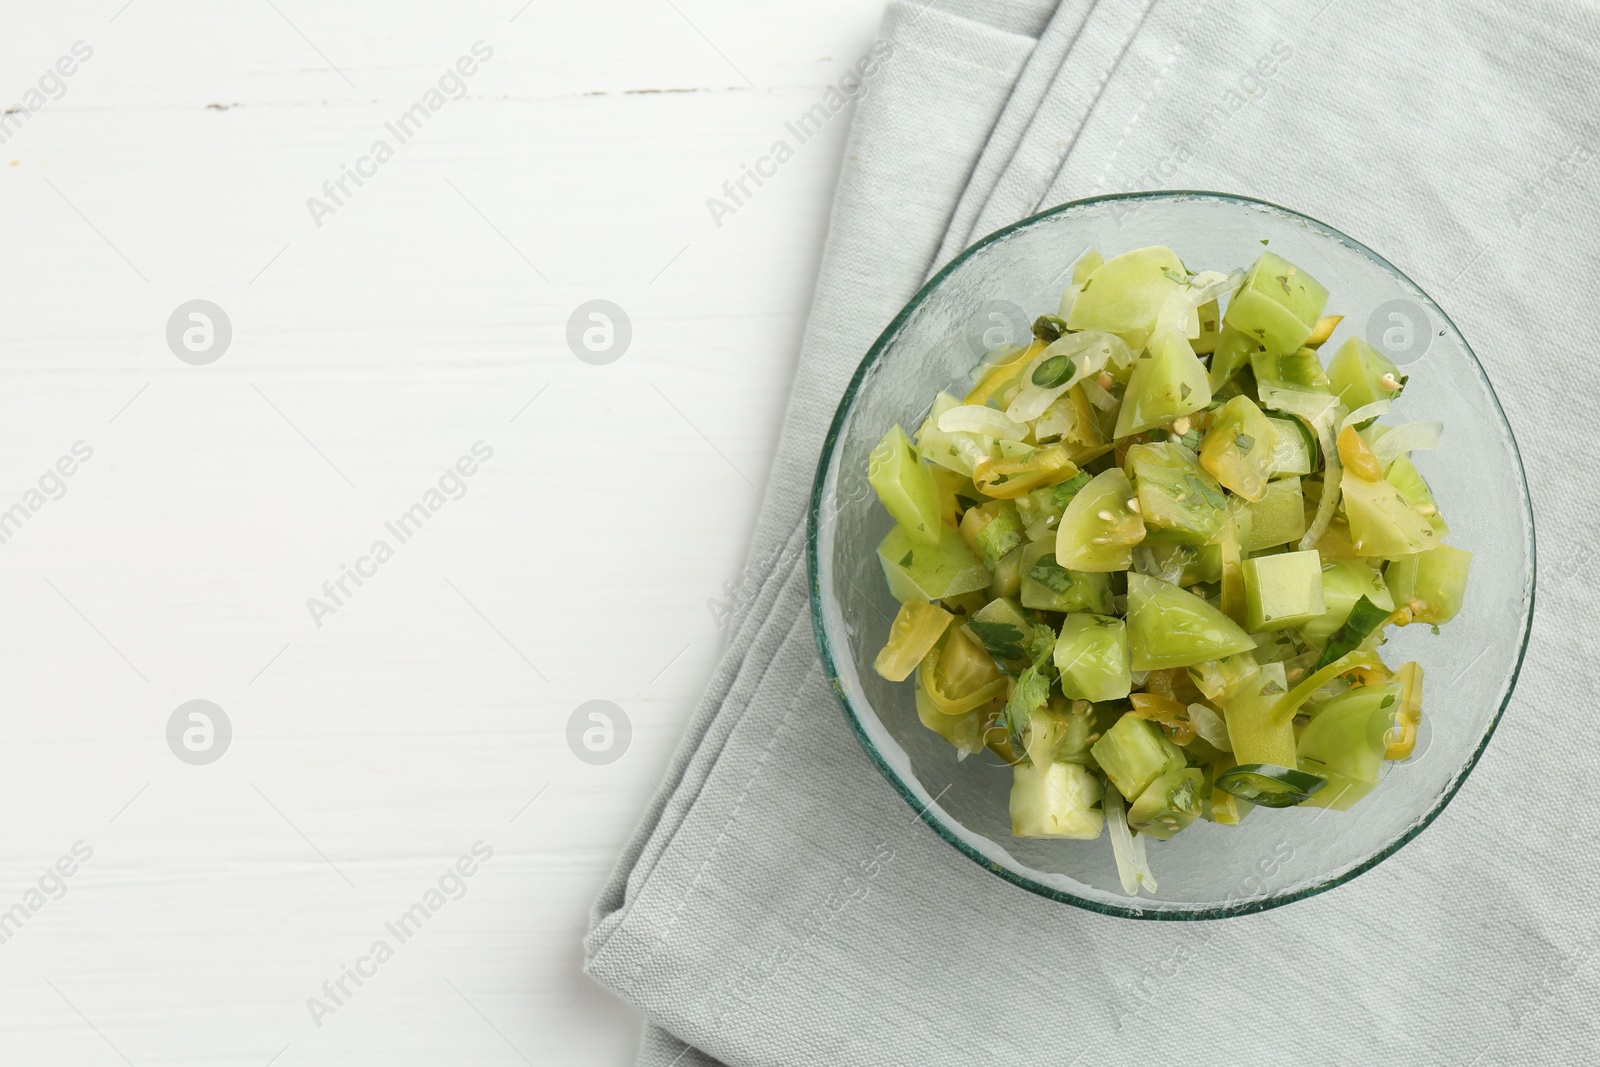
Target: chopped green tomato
(1168, 804)
(1091, 655)
(956, 494)
(1210, 316)
(1179, 502)
(1060, 801)
(1003, 629)
(1087, 264)
(1345, 742)
(1168, 381)
(1269, 785)
(1282, 591)
(1279, 304)
(1403, 475)
(1343, 584)
(1300, 370)
(1134, 753)
(1278, 518)
(1098, 530)
(1361, 375)
(1041, 509)
(904, 486)
(1430, 585)
(1124, 294)
(1192, 565)
(959, 676)
(917, 627)
(1381, 522)
(963, 732)
(1230, 556)
(1220, 679)
(1233, 353)
(1364, 619)
(956, 451)
(1171, 627)
(930, 572)
(1256, 735)
(1007, 574)
(1294, 450)
(1061, 733)
(1048, 586)
(1239, 449)
(991, 530)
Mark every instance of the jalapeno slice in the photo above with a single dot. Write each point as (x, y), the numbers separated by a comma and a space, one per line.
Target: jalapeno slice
(1269, 785)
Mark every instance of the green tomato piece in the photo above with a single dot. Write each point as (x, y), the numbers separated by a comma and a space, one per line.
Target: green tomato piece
(1282, 591)
(1092, 657)
(1432, 583)
(1062, 800)
(1197, 565)
(1277, 518)
(1124, 294)
(1062, 733)
(1007, 579)
(1048, 586)
(1239, 448)
(1381, 522)
(1344, 583)
(1098, 529)
(1346, 738)
(1256, 737)
(1168, 380)
(1278, 305)
(1294, 449)
(1299, 370)
(1041, 509)
(1169, 804)
(930, 572)
(1404, 476)
(1357, 373)
(1134, 753)
(963, 732)
(1233, 353)
(1171, 627)
(1179, 502)
(905, 486)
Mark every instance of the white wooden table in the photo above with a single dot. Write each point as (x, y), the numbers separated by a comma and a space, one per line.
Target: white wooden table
(377, 739)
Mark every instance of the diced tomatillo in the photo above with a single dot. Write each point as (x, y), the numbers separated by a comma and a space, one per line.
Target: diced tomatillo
(1171, 627)
(1239, 448)
(1098, 530)
(1091, 655)
(904, 486)
(930, 572)
(1279, 304)
(1168, 381)
(1134, 753)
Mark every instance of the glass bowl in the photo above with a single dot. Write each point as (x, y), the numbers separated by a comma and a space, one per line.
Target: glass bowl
(988, 296)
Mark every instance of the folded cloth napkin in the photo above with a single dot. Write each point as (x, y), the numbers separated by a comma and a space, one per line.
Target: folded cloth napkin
(781, 905)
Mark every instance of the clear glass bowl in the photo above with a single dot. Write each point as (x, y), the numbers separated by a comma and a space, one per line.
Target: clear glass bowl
(988, 296)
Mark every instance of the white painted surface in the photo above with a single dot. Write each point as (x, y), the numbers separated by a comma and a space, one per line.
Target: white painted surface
(368, 754)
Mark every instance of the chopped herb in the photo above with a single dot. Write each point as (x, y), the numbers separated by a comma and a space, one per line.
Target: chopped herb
(1387, 701)
(1032, 690)
(1057, 370)
(1052, 575)
(1435, 629)
(1002, 639)
(1263, 240)
(1208, 494)
(966, 501)
(1175, 276)
(1062, 493)
(1244, 442)
(1086, 285)
(1283, 280)
(905, 560)
(1184, 390)
(1048, 328)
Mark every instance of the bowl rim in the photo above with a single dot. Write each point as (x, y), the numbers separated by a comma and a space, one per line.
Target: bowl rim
(924, 811)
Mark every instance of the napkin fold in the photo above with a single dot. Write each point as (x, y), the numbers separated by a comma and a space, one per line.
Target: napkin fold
(779, 904)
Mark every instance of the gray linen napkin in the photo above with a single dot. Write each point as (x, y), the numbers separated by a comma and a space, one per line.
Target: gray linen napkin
(781, 905)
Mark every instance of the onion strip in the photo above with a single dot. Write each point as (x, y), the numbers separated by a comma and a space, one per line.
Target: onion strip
(1407, 437)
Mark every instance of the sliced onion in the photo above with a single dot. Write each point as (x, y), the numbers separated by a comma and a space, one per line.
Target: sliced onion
(981, 419)
(1098, 396)
(1069, 297)
(1133, 868)
(1209, 725)
(1407, 437)
(1367, 411)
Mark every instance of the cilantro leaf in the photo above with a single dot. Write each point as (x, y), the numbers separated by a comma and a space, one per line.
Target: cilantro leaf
(1052, 575)
(1208, 494)
(1181, 279)
(1244, 442)
(1002, 639)
(1364, 618)
(1063, 492)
